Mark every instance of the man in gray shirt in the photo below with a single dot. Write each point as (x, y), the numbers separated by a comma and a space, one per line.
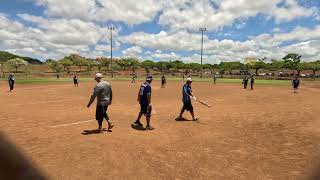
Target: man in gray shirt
(103, 92)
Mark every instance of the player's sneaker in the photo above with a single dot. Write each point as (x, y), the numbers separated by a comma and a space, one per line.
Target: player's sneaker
(110, 125)
(138, 123)
(149, 128)
(99, 130)
(196, 119)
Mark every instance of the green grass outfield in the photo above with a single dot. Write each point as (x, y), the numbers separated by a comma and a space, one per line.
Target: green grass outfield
(220, 80)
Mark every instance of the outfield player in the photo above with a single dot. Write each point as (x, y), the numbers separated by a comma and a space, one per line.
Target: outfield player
(187, 95)
(295, 84)
(103, 93)
(245, 81)
(214, 79)
(76, 81)
(163, 81)
(252, 82)
(134, 76)
(11, 82)
(144, 99)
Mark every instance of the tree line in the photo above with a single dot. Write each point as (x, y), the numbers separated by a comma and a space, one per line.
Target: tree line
(289, 62)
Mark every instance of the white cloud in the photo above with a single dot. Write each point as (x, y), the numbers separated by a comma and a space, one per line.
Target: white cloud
(192, 14)
(165, 56)
(165, 41)
(270, 45)
(128, 11)
(132, 51)
(101, 47)
(53, 38)
(175, 14)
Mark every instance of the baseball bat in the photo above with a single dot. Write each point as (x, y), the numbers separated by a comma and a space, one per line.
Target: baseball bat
(203, 103)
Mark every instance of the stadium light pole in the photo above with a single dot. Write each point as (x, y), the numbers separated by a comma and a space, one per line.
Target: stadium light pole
(111, 28)
(202, 30)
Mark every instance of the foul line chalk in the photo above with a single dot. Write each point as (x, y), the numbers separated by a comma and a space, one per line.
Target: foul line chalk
(70, 124)
(44, 102)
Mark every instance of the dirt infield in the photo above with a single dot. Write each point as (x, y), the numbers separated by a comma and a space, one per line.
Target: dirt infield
(268, 133)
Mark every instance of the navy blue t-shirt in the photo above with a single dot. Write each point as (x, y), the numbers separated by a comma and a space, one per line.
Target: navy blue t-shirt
(145, 90)
(11, 79)
(296, 83)
(185, 91)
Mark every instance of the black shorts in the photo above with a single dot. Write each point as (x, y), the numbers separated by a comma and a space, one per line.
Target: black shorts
(187, 106)
(146, 110)
(101, 112)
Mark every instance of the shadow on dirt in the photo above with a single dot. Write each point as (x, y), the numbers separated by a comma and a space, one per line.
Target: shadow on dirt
(14, 165)
(188, 120)
(94, 131)
(137, 127)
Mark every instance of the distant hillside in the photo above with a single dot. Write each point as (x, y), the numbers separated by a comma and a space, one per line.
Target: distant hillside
(4, 56)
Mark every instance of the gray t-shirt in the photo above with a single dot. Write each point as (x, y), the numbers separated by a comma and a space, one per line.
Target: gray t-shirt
(103, 93)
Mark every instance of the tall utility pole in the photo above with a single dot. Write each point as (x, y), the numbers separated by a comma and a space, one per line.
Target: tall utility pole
(202, 30)
(111, 28)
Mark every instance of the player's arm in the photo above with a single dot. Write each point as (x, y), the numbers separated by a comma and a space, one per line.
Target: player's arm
(91, 100)
(110, 96)
(138, 99)
(149, 95)
(189, 93)
(93, 96)
(149, 98)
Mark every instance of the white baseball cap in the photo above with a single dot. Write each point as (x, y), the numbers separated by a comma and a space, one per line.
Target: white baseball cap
(98, 75)
(189, 79)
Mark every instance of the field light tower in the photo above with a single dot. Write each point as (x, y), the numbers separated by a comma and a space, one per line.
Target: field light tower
(111, 28)
(202, 30)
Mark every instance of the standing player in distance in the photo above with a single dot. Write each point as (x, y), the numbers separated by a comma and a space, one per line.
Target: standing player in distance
(103, 92)
(252, 81)
(134, 76)
(187, 95)
(76, 81)
(144, 98)
(11, 82)
(295, 84)
(245, 81)
(214, 79)
(163, 81)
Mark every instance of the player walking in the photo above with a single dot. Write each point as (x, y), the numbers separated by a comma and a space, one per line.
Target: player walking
(76, 81)
(252, 81)
(214, 79)
(11, 82)
(295, 84)
(245, 81)
(103, 92)
(187, 96)
(163, 81)
(144, 98)
(134, 76)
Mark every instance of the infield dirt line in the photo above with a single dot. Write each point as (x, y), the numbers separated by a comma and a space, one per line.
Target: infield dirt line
(70, 124)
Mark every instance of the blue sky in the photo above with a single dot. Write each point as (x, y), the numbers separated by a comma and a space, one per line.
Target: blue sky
(161, 30)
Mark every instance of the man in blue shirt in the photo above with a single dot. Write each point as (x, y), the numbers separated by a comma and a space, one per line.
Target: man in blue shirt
(11, 81)
(295, 84)
(163, 81)
(187, 95)
(144, 99)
